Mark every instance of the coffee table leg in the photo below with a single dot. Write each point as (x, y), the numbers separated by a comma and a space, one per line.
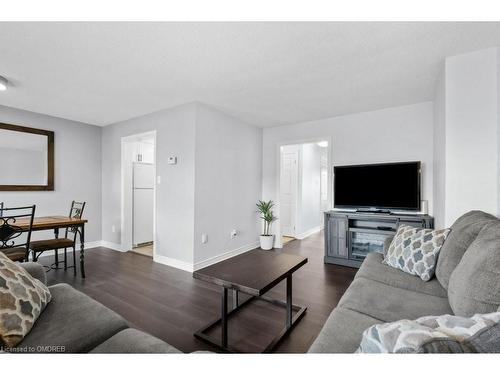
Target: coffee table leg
(289, 301)
(236, 299)
(224, 318)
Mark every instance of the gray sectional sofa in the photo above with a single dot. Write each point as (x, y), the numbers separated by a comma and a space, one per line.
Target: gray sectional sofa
(75, 323)
(467, 281)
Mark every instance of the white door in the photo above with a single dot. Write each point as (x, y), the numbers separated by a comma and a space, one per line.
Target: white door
(288, 189)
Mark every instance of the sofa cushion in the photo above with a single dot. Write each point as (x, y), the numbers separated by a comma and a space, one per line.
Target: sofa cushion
(435, 334)
(372, 268)
(36, 270)
(133, 341)
(463, 232)
(475, 283)
(388, 303)
(22, 299)
(72, 322)
(415, 250)
(342, 332)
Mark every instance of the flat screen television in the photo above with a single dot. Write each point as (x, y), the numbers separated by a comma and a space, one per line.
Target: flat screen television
(389, 186)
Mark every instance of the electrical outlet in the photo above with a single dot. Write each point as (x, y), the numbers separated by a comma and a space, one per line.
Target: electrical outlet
(234, 233)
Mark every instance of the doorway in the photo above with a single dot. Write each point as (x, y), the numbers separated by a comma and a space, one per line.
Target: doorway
(139, 193)
(303, 189)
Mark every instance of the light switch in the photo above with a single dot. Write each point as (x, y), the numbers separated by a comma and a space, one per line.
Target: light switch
(158, 180)
(204, 238)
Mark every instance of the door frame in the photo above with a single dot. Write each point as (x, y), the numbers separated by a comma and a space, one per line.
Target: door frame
(126, 241)
(278, 243)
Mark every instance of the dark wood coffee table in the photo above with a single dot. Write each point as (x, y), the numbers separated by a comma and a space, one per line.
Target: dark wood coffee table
(254, 273)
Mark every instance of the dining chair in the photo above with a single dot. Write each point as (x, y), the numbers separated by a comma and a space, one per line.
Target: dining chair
(69, 241)
(14, 239)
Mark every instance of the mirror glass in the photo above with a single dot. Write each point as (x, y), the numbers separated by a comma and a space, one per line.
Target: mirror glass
(24, 158)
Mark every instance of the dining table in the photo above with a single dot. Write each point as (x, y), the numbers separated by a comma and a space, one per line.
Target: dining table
(56, 222)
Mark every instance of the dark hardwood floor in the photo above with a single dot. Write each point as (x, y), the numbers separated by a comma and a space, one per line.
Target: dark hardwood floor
(171, 305)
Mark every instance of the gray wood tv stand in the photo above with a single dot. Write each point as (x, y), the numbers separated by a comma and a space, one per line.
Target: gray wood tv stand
(350, 236)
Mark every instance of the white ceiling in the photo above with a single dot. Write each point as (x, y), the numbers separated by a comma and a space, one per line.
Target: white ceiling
(265, 73)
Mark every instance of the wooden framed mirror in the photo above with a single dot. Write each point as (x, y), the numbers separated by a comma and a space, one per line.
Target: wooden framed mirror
(26, 158)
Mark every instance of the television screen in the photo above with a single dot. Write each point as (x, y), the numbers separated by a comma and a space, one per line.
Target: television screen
(380, 186)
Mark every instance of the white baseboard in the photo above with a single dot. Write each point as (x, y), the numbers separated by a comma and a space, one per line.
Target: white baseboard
(190, 267)
(308, 233)
(185, 266)
(88, 246)
(226, 255)
(111, 245)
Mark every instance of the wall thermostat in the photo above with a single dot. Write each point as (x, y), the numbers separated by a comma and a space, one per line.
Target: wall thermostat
(172, 160)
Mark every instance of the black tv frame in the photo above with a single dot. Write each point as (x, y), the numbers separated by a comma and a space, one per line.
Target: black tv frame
(381, 208)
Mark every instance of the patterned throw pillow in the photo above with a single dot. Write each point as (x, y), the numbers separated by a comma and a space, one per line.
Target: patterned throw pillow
(415, 250)
(22, 299)
(435, 334)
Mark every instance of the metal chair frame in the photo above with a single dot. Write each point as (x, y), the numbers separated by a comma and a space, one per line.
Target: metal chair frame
(9, 231)
(76, 211)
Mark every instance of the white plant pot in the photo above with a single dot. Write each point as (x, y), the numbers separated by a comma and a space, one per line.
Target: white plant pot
(266, 242)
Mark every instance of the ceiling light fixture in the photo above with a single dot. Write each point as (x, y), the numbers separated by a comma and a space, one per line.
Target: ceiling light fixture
(322, 144)
(3, 83)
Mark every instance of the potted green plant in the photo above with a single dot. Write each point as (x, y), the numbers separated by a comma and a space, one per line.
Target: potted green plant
(266, 212)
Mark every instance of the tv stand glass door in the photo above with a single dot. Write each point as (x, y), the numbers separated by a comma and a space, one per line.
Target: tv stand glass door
(363, 242)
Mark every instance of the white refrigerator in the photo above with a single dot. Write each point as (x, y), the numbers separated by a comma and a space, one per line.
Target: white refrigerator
(143, 207)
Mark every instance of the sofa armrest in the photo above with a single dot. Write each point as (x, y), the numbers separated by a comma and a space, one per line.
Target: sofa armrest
(36, 270)
(387, 243)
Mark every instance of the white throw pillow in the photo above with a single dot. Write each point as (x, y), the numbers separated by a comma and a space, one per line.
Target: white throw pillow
(434, 334)
(415, 250)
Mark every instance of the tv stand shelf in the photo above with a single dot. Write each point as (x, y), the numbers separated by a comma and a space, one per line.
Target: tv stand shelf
(350, 236)
(371, 230)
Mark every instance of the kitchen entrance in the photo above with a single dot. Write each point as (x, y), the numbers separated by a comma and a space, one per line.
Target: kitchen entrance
(138, 192)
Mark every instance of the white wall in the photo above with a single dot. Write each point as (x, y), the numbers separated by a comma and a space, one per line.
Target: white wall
(175, 136)
(393, 134)
(77, 157)
(439, 180)
(498, 132)
(308, 207)
(472, 104)
(228, 184)
(212, 189)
